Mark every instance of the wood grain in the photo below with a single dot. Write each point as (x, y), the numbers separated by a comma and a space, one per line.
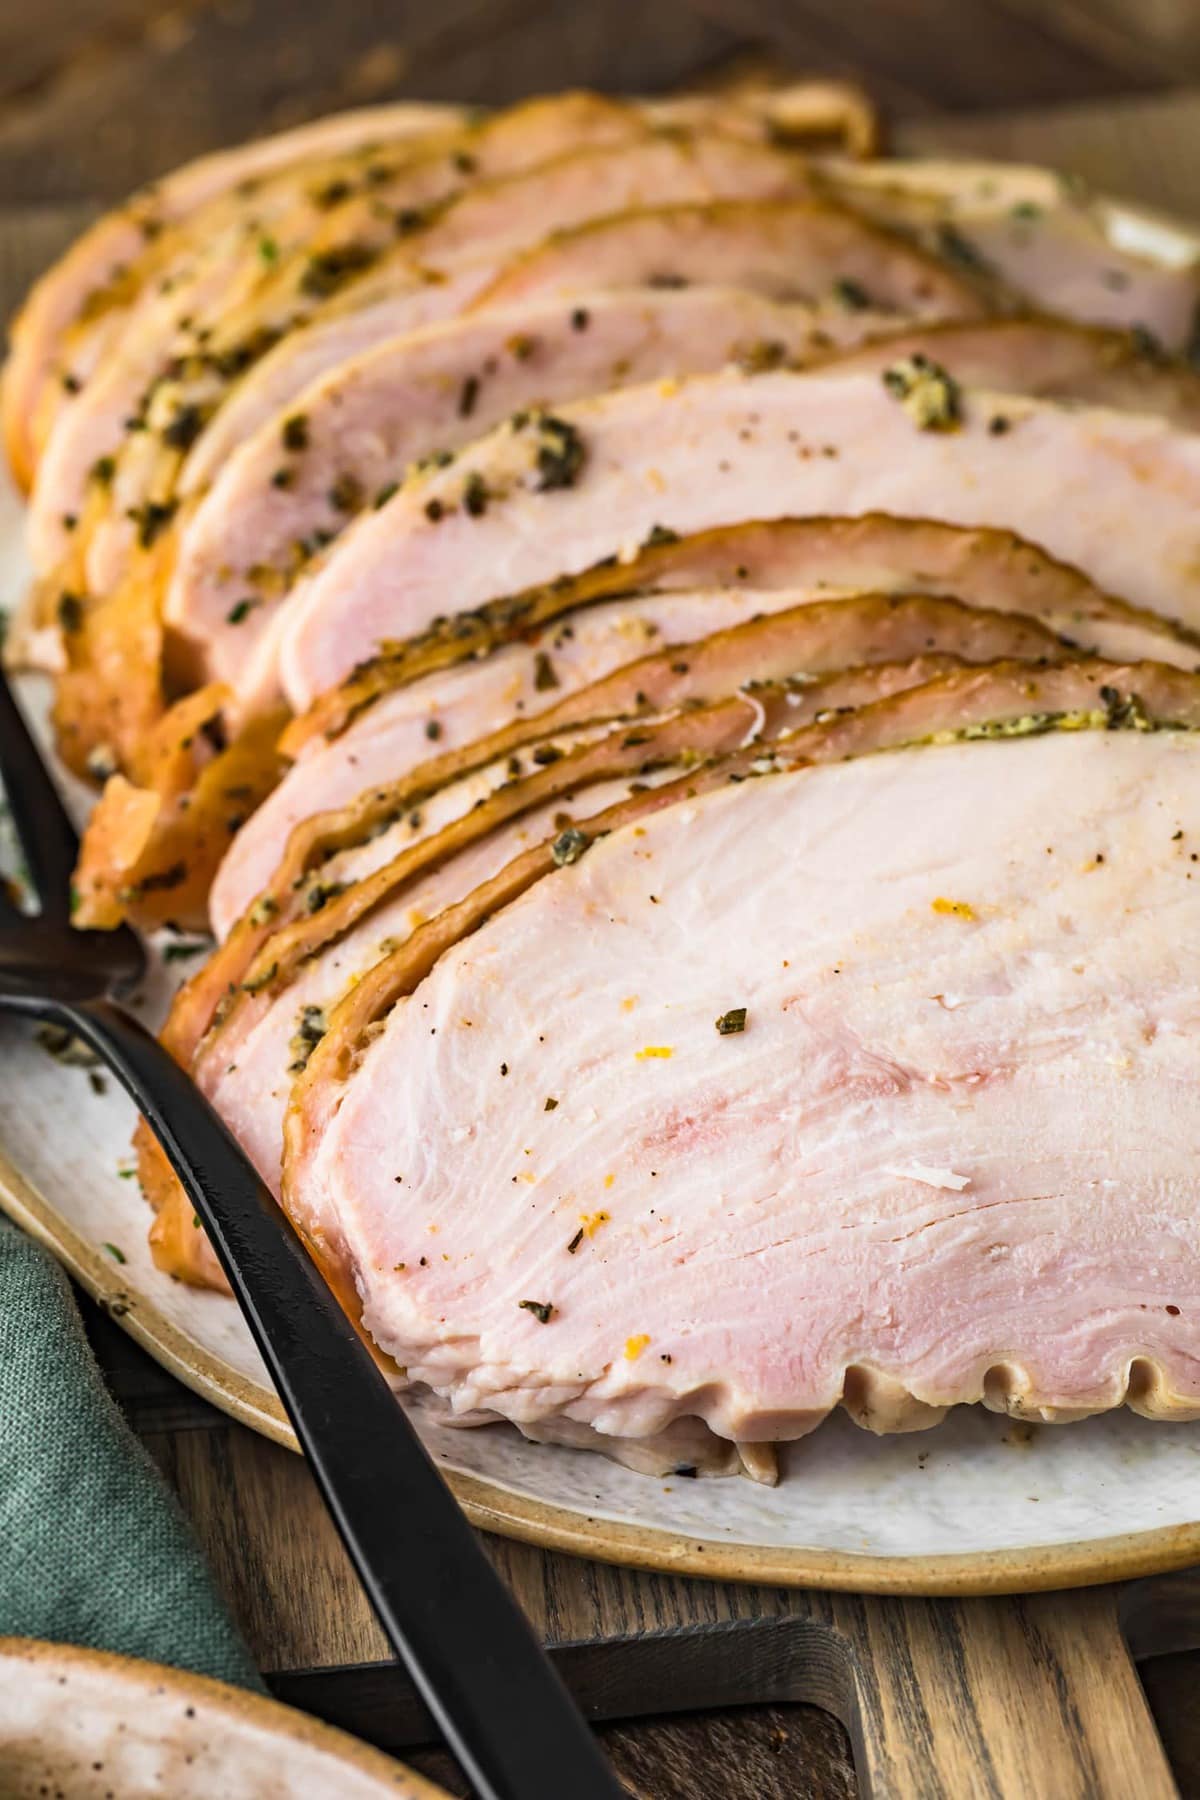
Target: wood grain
(96, 95)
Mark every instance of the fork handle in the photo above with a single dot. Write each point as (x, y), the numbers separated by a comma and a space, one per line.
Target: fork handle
(468, 1648)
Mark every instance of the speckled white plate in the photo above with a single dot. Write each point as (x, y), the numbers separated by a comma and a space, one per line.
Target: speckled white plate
(98, 1727)
(979, 1504)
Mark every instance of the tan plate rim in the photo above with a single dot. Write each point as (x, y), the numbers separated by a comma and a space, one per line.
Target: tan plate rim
(493, 1507)
(231, 1703)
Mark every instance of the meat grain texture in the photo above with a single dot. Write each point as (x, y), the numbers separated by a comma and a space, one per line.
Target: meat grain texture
(716, 938)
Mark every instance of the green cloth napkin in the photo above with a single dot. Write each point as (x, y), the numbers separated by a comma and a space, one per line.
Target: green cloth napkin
(94, 1549)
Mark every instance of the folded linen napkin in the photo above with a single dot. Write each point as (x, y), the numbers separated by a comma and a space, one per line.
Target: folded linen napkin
(94, 1549)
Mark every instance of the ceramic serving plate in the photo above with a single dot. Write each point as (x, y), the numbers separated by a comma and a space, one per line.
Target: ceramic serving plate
(979, 1504)
(92, 1725)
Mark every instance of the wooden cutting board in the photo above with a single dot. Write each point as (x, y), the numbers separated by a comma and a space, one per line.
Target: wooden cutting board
(1028, 1697)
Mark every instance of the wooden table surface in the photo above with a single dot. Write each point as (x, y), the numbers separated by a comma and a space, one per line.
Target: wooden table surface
(96, 95)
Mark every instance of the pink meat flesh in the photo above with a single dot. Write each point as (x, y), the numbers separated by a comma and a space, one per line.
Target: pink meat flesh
(369, 420)
(1045, 239)
(247, 1064)
(951, 1152)
(442, 271)
(119, 237)
(1114, 493)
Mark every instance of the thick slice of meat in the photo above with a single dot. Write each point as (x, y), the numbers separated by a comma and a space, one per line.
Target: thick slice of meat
(150, 848)
(283, 936)
(875, 552)
(985, 1027)
(789, 249)
(370, 420)
(691, 166)
(351, 841)
(759, 568)
(521, 787)
(1053, 359)
(784, 249)
(110, 259)
(1114, 493)
(533, 678)
(1039, 236)
(438, 270)
(187, 346)
(117, 240)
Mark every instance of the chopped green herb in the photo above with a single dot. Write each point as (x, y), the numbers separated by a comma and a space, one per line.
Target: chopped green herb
(295, 432)
(321, 893)
(575, 1242)
(732, 1021)
(328, 270)
(561, 452)
(184, 427)
(569, 846)
(851, 294)
(929, 395)
(467, 396)
(256, 983)
(762, 356)
(117, 1254)
(544, 677)
(332, 193)
(346, 495)
(542, 1310)
(182, 952)
(475, 494)
(152, 519)
(310, 1029)
(242, 609)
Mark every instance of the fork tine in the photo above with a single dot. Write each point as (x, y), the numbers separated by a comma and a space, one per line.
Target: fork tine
(47, 835)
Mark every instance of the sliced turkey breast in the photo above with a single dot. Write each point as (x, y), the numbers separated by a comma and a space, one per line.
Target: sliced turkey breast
(788, 250)
(367, 802)
(110, 258)
(150, 852)
(875, 552)
(1051, 359)
(364, 923)
(191, 343)
(537, 675)
(1037, 235)
(992, 1028)
(1114, 493)
(115, 242)
(370, 419)
(374, 892)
